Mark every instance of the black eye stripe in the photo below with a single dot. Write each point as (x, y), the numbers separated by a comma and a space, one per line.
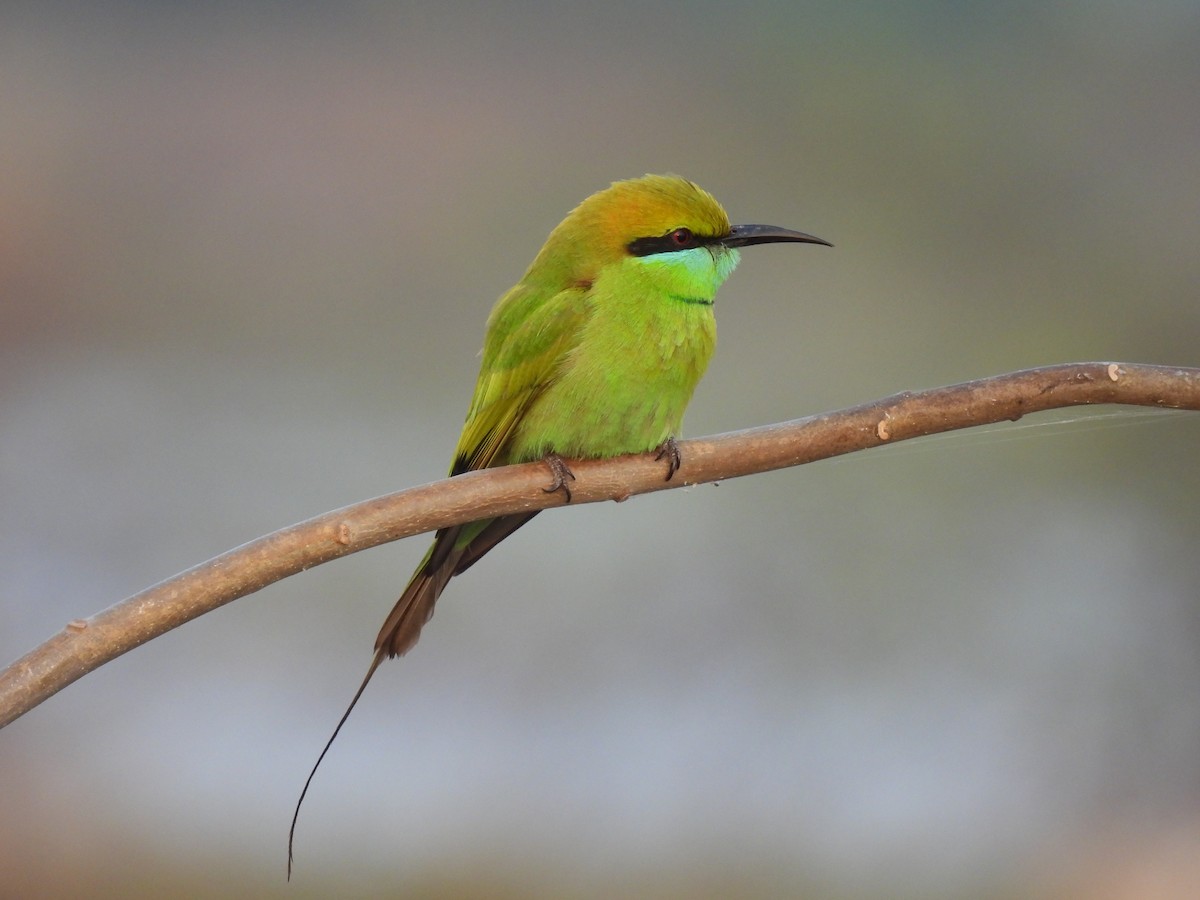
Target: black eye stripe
(673, 241)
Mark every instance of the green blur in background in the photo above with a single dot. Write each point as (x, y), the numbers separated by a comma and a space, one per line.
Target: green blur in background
(246, 256)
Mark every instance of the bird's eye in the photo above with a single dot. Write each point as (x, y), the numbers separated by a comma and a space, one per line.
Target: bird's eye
(681, 237)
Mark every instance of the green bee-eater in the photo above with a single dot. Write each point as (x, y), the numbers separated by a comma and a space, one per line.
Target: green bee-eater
(595, 352)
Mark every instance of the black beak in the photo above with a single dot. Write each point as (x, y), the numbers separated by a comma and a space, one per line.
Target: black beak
(746, 235)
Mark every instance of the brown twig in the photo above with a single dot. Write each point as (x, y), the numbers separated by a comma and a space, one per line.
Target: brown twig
(86, 644)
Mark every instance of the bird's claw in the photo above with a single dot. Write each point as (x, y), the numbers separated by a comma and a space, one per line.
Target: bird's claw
(669, 450)
(561, 474)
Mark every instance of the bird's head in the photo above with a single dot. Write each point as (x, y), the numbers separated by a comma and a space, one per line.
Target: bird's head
(672, 230)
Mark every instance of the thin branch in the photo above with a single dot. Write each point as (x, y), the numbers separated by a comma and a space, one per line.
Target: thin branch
(86, 644)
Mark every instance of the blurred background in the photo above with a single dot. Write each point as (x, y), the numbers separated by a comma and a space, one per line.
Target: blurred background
(246, 256)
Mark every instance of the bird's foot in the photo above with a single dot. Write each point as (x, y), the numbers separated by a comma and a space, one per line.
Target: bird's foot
(561, 474)
(669, 450)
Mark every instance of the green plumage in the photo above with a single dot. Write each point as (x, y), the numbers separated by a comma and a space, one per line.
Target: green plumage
(594, 352)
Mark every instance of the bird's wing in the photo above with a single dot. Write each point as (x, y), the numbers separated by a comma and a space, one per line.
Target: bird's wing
(528, 340)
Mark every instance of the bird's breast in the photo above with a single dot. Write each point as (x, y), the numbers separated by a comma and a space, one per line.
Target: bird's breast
(624, 387)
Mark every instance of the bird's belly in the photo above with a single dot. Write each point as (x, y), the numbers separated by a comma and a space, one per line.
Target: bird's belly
(581, 425)
(607, 404)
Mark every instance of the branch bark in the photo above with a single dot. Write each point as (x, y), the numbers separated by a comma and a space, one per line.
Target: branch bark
(86, 644)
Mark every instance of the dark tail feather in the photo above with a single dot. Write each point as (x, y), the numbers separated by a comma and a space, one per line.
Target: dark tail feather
(379, 657)
(495, 531)
(399, 633)
(414, 608)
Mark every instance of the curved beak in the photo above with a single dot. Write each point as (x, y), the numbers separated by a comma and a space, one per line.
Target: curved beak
(746, 235)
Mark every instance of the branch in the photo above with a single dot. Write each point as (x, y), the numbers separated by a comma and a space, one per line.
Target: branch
(86, 644)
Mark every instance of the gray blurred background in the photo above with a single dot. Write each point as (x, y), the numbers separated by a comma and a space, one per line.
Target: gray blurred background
(246, 255)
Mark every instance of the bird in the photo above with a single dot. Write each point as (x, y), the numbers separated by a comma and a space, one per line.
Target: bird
(595, 352)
